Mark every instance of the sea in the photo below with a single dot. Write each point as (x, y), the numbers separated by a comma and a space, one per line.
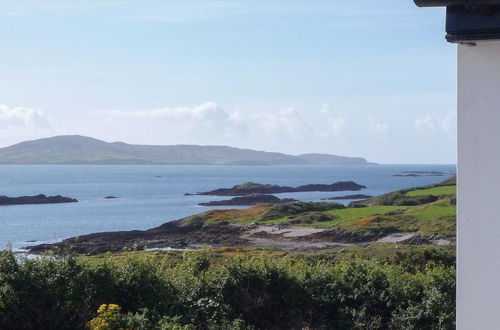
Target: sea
(148, 196)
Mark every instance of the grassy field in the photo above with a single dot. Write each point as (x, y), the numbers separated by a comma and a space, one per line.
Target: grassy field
(354, 213)
(428, 219)
(437, 210)
(436, 191)
(341, 215)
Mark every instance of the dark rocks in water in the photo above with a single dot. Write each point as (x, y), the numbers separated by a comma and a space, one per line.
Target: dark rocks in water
(426, 172)
(419, 173)
(357, 196)
(249, 200)
(110, 197)
(249, 188)
(38, 199)
(408, 175)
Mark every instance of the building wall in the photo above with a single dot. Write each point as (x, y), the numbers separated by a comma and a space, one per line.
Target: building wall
(478, 291)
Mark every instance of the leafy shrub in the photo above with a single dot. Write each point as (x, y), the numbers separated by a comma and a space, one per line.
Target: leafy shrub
(286, 209)
(310, 217)
(144, 291)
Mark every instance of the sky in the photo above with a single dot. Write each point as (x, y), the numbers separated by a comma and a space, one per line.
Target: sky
(374, 79)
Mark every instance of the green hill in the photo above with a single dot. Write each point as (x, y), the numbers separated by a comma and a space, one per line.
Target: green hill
(75, 149)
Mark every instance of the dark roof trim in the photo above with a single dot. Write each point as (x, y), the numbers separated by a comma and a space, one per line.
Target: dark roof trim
(446, 3)
(469, 20)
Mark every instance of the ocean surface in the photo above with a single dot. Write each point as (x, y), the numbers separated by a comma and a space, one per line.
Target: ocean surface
(152, 195)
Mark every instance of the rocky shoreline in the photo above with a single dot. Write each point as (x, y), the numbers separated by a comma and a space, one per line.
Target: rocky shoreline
(182, 235)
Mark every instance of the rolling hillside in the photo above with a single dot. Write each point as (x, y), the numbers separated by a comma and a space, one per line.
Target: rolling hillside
(75, 149)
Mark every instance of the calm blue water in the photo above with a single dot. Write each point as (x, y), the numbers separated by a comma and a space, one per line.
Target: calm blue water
(152, 195)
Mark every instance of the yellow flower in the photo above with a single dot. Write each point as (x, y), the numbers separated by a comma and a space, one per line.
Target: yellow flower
(107, 316)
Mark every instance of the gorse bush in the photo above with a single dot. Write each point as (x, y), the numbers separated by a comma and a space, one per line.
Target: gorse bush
(149, 291)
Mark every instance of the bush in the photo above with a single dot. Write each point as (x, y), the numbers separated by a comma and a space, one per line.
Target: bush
(286, 209)
(148, 291)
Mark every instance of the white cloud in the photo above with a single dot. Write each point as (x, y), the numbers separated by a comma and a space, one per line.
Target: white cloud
(325, 108)
(287, 121)
(206, 111)
(336, 125)
(378, 127)
(425, 123)
(285, 129)
(22, 118)
(445, 123)
(21, 123)
(333, 124)
(207, 123)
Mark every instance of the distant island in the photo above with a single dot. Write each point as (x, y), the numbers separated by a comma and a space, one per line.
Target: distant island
(76, 149)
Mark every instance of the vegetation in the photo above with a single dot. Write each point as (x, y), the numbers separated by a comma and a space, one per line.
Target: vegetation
(440, 210)
(431, 218)
(383, 288)
(435, 191)
(427, 211)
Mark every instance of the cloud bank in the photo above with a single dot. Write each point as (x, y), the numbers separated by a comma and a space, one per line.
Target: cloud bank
(325, 129)
(21, 123)
(22, 117)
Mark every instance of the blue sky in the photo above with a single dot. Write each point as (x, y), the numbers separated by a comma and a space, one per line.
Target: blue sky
(363, 78)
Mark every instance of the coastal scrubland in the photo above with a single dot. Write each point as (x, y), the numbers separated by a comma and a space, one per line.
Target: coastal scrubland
(232, 288)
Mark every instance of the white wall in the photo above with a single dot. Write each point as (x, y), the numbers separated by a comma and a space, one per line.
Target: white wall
(478, 292)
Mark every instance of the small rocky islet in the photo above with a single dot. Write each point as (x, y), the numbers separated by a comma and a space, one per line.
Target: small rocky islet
(416, 174)
(348, 197)
(249, 200)
(257, 188)
(38, 199)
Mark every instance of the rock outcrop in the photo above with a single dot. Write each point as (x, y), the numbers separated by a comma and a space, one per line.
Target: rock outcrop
(347, 197)
(249, 188)
(249, 200)
(38, 199)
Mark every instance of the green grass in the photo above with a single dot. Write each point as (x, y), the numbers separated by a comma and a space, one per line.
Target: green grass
(436, 191)
(342, 215)
(436, 211)
(359, 212)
